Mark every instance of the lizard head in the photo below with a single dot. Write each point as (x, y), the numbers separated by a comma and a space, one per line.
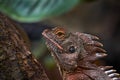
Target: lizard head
(69, 48)
(64, 47)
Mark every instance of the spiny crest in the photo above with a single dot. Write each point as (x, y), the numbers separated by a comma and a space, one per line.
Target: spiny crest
(92, 46)
(110, 72)
(94, 50)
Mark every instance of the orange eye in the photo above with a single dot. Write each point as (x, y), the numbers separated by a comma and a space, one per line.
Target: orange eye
(60, 34)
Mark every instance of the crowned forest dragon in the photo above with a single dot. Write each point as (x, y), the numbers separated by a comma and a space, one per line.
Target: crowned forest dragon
(76, 55)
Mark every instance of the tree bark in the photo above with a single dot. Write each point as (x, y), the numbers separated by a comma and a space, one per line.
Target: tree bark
(16, 60)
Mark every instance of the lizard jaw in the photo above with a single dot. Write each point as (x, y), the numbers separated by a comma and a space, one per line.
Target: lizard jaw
(56, 44)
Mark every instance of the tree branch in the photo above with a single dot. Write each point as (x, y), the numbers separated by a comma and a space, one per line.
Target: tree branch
(16, 60)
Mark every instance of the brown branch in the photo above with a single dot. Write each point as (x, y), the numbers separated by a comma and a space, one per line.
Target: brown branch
(16, 60)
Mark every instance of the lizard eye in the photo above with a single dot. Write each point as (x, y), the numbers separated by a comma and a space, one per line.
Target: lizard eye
(60, 34)
(72, 49)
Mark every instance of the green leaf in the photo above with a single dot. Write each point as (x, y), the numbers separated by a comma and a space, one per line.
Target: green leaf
(35, 10)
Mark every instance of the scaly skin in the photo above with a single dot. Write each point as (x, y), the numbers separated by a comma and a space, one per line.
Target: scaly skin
(76, 54)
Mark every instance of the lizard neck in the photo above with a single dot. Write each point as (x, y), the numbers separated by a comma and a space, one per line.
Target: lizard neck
(79, 69)
(91, 72)
(82, 69)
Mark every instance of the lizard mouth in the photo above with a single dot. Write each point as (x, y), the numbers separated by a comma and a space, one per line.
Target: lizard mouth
(52, 44)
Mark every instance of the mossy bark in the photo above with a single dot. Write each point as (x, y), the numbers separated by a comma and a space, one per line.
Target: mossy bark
(16, 60)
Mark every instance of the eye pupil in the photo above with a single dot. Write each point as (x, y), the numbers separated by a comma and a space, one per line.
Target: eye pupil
(60, 34)
(72, 49)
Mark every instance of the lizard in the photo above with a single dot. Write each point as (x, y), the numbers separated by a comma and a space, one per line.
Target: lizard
(76, 55)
